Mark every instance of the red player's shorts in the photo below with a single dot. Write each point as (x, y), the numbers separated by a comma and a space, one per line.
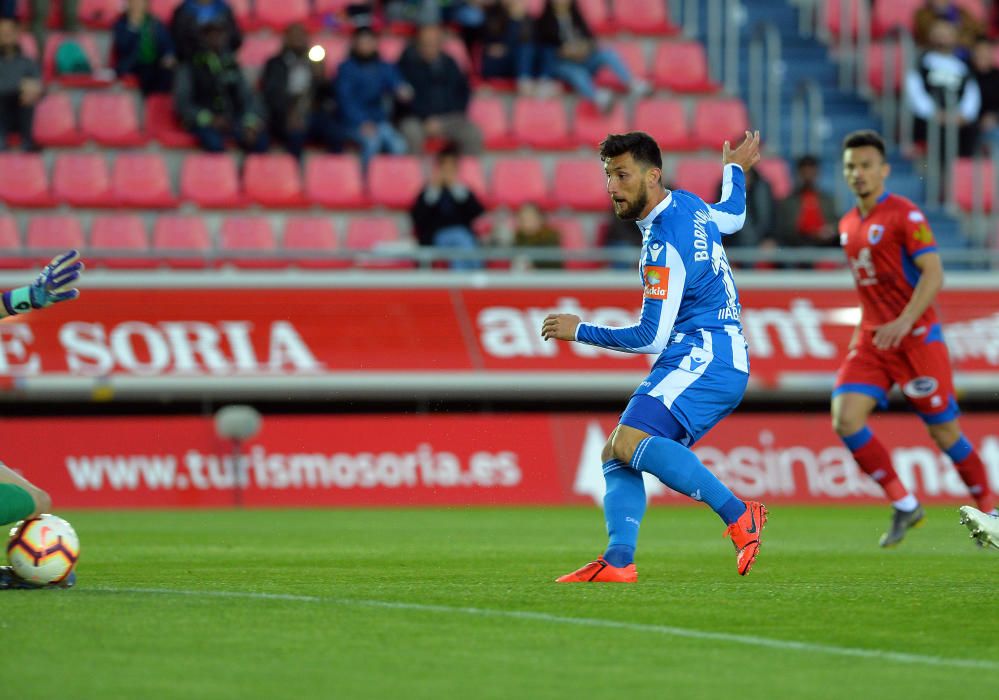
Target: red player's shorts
(920, 366)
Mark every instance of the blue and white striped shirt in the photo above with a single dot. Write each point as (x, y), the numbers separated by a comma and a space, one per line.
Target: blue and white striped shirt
(690, 294)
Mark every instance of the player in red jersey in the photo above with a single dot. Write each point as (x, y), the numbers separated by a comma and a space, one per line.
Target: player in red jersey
(898, 273)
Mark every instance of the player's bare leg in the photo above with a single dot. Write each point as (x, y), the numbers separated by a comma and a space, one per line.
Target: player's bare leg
(984, 526)
(951, 441)
(850, 411)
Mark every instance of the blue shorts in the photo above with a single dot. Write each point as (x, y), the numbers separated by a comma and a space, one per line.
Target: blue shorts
(687, 387)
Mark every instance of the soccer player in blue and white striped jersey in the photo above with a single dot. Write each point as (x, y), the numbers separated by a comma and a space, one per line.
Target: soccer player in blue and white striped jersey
(691, 320)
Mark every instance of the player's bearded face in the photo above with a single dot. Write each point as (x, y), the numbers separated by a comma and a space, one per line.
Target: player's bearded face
(630, 209)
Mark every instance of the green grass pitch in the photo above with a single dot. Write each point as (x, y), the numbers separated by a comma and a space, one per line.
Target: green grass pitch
(460, 603)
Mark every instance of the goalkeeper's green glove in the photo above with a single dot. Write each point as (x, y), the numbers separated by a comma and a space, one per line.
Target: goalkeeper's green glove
(51, 286)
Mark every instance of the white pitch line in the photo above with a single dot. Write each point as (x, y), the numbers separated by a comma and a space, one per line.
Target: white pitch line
(743, 639)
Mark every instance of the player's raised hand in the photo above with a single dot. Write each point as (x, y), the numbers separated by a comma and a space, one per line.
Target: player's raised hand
(746, 155)
(890, 335)
(55, 283)
(560, 327)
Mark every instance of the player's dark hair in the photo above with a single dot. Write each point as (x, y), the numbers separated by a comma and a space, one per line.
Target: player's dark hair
(865, 137)
(450, 150)
(642, 147)
(807, 161)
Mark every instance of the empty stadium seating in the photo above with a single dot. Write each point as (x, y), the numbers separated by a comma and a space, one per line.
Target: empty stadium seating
(210, 180)
(111, 119)
(55, 121)
(580, 185)
(82, 180)
(182, 241)
(335, 181)
(248, 242)
(273, 180)
(702, 176)
(142, 180)
(395, 181)
(969, 177)
(278, 14)
(694, 75)
(309, 239)
(119, 241)
(162, 124)
(642, 17)
(517, 181)
(50, 234)
(23, 181)
(717, 120)
(666, 121)
(541, 123)
(590, 126)
(489, 114)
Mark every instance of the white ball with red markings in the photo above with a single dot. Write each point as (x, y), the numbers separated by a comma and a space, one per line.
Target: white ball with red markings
(43, 550)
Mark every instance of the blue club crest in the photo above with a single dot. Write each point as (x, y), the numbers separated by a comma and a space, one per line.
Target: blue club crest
(875, 233)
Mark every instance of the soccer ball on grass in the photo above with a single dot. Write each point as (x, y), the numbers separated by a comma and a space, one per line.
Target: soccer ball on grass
(43, 550)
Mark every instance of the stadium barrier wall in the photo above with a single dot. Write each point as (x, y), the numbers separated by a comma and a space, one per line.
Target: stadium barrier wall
(402, 335)
(450, 460)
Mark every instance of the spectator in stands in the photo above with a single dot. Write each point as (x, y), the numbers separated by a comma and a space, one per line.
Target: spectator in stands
(569, 52)
(440, 95)
(20, 87)
(620, 234)
(938, 75)
(532, 230)
(758, 231)
(808, 216)
(142, 47)
(446, 208)
(212, 96)
(983, 65)
(508, 48)
(297, 96)
(190, 15)
(967, 28)
(363, 84)
(41, 13)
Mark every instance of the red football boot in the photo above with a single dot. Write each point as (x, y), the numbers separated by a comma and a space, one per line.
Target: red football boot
(745, 533)
(600, 571)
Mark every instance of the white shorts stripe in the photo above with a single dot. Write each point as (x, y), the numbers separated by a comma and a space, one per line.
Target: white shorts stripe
(691, 367)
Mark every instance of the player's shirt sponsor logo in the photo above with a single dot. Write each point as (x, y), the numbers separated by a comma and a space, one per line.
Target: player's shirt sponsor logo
(920, 387)
(656, 282)
(655, 250)
(875, 233)
(923, 234)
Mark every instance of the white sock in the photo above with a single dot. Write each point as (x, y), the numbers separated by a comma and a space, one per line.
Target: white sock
(907, 503)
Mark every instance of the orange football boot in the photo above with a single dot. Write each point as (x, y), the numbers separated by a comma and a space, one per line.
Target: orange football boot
(600, 571)
(745, 533)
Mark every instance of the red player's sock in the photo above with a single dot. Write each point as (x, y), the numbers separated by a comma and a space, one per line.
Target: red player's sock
(872, 457)
(972, 471)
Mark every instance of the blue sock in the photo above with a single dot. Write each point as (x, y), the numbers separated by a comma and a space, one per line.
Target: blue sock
(624, 507)
(681, 470)
(959, 451)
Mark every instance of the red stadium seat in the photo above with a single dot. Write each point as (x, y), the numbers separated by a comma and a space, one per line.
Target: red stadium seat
(257, 48)
(390, 47)
(10, 244)
(23, 182)
(642, 17)
(886, 16)
(162, 123)
(186, 237)
(120, 241)
(633, 55)
(394, 181)
(572, 237)
(273, 180)
(312, 239)
(664, 120)
(99, 13)
(55, 123)
(682, 66)
(111, 119)
(834, 20)
(581, 185)
(28, 46)
(489, 114)
(541, 123)
(366, 233)
(776, 172)
(82, 180)
(702, 176)
(517, 181)
(248, 241)
(876, 66)
(470, 172)
(335, 181)
(278, 14)
(142, 180)
(244, 16)
(597, 16)
(717, 120)
(54, 234)
(210, 180)
(967, 178)
(590, 126)
(164, 9)
(99, 76)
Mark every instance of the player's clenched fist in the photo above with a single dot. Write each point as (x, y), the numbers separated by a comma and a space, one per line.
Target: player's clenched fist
(559, 327)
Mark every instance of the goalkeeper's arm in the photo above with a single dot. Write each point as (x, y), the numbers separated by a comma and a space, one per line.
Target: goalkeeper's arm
(54, 284)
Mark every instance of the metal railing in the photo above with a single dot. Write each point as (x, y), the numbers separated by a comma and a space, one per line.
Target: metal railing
(765, 71)
(807, 115)
(941, 151)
